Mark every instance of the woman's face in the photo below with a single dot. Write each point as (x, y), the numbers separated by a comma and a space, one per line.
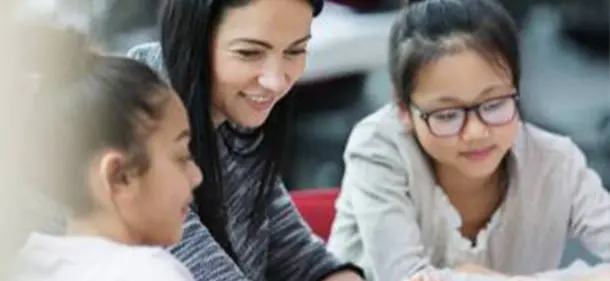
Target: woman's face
(258, 52)
(473, 143)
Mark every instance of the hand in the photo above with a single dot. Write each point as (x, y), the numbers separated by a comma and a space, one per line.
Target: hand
(345, 275)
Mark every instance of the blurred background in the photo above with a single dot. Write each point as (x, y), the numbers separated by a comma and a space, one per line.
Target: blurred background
(565, 58)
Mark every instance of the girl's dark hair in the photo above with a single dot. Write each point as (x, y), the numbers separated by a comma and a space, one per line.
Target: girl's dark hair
(187, 27)
(94, 102)
(426, 30)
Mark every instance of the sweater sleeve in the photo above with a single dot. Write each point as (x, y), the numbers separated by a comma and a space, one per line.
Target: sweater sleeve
(590, 208)
(589, 215)
(295, 253)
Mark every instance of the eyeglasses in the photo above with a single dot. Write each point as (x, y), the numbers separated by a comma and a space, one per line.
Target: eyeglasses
(449, 122)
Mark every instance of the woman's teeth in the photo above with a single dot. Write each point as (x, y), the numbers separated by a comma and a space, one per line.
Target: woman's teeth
(259, 98)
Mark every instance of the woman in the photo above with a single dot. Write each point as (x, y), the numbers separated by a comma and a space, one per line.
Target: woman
(126, 174)
(447, 180)
(233, 63)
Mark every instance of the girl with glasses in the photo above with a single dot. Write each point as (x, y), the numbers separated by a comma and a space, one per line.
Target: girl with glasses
(448, 181)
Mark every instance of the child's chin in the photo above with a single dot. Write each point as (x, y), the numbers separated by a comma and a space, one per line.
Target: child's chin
(481, 170)
(170, 239)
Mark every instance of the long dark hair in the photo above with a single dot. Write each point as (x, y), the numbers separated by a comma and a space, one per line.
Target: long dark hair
(187, 27)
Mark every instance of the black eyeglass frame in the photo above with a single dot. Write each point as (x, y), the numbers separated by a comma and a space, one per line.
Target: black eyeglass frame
(476, 108)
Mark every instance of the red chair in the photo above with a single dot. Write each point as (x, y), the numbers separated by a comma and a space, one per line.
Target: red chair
(317, 206)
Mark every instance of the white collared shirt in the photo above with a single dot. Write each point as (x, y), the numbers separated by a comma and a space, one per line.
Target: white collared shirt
(68, 258)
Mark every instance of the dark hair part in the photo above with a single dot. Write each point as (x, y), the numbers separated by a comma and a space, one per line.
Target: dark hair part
(187, 27)
(96, 102)
(429, 29)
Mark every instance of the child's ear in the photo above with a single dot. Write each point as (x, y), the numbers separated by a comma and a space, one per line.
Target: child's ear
(404, 114)
(109, 179)
(113, 171)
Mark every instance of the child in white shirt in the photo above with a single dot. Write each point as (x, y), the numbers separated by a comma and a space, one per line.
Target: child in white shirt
(125, 172)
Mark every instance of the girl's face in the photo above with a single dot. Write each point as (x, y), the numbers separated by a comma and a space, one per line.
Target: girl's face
(153, 206)
(469, 142)
(258, 52)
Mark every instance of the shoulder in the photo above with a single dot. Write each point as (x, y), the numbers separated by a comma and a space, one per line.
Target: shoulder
(382, 127)
(149, 53)
(149, 263)
(381, 135)
(546, 160)
(383, 123)
(383, 156)
(536, 145)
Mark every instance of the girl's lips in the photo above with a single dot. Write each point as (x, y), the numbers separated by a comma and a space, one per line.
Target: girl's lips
(478, 154)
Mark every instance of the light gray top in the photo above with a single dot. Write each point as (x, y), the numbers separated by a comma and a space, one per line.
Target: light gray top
(395, 221)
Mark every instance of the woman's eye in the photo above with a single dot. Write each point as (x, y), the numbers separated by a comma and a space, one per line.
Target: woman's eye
(297, 52)
(249, 54)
